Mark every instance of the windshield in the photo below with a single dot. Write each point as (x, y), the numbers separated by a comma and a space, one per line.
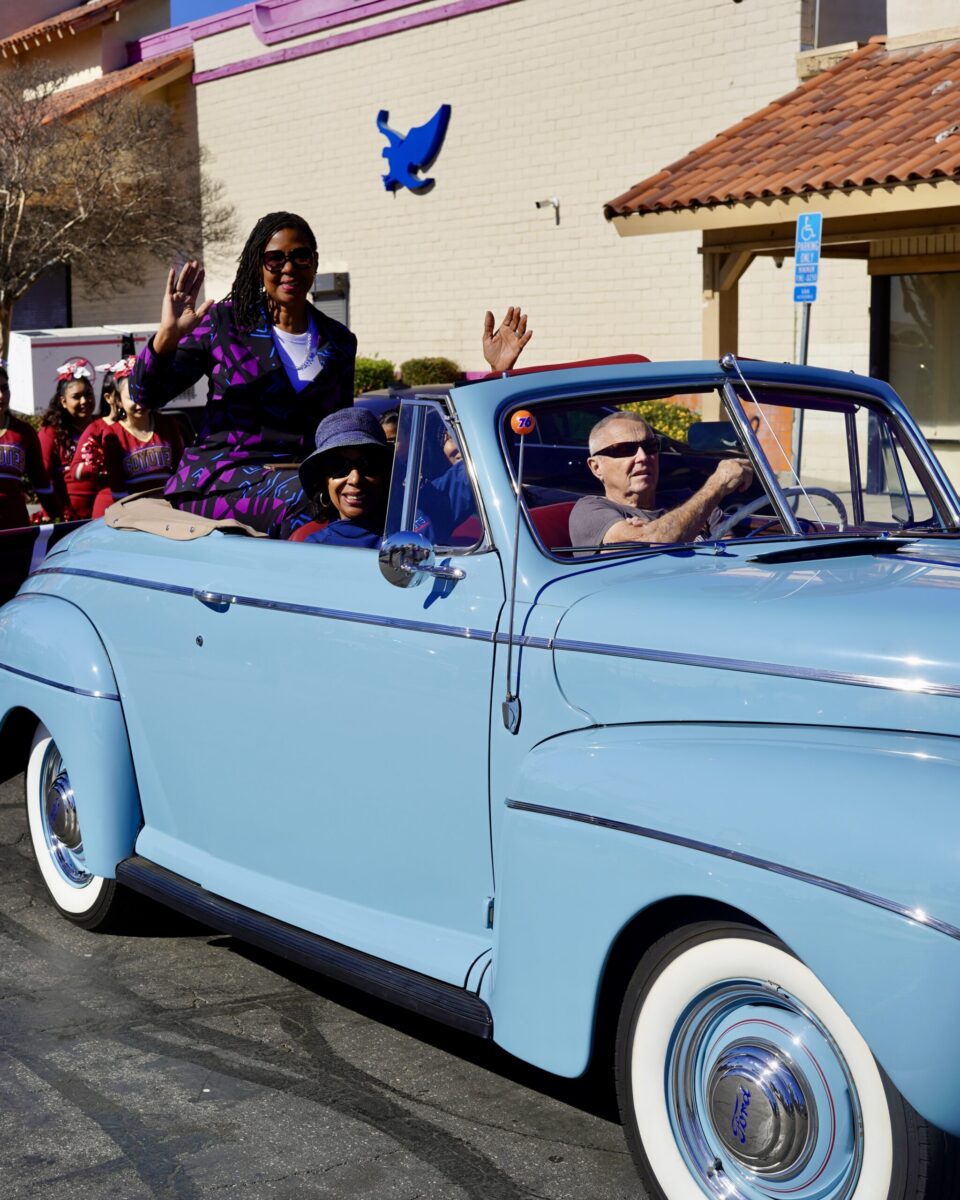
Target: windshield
(650, 469)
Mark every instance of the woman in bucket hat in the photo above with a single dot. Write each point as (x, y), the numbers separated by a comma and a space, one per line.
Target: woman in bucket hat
(346, 477)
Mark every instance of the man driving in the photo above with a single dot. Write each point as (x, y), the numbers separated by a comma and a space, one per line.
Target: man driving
(625, 457)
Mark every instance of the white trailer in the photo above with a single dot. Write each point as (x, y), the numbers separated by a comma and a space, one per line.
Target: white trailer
(35, 355)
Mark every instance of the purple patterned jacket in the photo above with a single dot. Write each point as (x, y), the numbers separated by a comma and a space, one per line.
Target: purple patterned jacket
(253, 414)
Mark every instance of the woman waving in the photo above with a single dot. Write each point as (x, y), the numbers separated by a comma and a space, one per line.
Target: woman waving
(275, 367)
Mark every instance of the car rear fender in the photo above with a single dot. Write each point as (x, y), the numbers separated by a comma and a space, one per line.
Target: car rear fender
(55, 670)
(842, 842)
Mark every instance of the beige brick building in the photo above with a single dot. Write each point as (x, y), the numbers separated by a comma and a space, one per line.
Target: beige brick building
(550, 98)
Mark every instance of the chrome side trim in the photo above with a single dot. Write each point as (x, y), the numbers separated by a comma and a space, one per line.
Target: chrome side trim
(303, 610)
(63, 687)
(918, 916)
(644, 653)
(783, 670)
(108, 576)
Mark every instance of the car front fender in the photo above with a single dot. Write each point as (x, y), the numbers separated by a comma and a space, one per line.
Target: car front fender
(842, 842)
(54, 667)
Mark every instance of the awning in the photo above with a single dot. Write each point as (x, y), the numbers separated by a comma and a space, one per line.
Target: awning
(64, 24)
(876, 133)
(144, 76)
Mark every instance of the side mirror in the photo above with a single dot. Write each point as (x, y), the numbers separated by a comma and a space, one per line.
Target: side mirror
(405, 558)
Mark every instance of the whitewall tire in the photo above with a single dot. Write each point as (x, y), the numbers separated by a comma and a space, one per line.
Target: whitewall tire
(740, 1076)
(57, 841)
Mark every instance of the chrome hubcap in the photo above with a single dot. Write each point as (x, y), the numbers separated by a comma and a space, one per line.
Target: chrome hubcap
(62, 812)
(61, 826)
(760, 1098)
(758, 1105)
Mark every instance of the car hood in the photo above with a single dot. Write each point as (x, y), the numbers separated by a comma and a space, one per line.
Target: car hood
(870, 638)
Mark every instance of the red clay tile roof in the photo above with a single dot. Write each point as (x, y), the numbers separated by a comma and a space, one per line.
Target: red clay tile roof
(74, 20)
(876, 117)
(71, 100)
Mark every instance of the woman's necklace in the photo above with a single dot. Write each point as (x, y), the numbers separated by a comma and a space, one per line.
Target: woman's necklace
(313, 342)
(312, 346)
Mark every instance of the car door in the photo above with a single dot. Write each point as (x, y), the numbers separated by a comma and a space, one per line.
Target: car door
(326, 761)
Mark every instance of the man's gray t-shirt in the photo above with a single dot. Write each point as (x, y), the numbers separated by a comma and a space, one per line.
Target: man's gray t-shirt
(592, 516)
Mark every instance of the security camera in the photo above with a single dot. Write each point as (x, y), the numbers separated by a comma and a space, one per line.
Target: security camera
(554, 203)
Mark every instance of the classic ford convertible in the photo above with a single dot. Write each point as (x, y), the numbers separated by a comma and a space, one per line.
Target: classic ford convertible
(692, 809)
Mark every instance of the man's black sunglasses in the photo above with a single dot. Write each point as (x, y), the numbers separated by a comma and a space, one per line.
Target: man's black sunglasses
(275, 260)
(649, 446)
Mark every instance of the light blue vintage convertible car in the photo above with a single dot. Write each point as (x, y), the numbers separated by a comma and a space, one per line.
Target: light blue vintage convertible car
(692, 809)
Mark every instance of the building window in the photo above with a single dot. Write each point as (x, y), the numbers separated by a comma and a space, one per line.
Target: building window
(923, 351)
(47, 304)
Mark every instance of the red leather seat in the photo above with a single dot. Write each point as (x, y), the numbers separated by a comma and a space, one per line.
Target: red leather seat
(303, 532)
(553, 523)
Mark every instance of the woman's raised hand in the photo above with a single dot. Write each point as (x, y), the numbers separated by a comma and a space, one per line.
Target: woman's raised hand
(502, 347)
(180, 315)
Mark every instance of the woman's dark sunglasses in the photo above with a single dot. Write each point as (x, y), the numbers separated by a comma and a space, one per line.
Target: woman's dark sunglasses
(275, 260)
(649, 446)
(338, 466)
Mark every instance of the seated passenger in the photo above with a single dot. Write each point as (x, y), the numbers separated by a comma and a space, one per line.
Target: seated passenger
(625, 457)
(347, 477)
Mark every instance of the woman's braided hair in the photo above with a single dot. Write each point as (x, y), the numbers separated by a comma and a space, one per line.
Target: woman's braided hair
(247, 290)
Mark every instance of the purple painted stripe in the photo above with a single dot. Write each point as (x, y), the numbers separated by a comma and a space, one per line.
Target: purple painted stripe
(182, 36)
(445, 12)
(298, 17)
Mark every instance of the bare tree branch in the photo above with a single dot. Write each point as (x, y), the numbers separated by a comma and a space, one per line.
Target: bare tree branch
(102, 189)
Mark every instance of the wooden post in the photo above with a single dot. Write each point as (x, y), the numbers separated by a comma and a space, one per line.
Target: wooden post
(721, 310)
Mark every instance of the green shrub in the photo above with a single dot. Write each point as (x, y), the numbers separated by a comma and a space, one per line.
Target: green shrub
(416, 371)
(672, 419)
(371, 374)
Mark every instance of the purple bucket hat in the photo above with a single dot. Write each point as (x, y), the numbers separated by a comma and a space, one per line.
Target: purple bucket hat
(346, 427)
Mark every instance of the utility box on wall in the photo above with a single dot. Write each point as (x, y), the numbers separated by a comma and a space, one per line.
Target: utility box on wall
(331, 294)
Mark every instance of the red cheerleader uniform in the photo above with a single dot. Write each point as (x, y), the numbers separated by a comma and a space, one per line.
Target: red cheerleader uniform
(88, 463)
(75, 495)
(133, 465)
(20, 456)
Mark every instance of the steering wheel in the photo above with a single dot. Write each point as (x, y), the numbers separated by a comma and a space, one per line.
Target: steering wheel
(747, 510)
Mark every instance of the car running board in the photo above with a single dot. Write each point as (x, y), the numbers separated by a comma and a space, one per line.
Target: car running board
(399, 985)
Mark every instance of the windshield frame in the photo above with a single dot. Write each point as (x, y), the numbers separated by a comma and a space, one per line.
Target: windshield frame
(725, 388)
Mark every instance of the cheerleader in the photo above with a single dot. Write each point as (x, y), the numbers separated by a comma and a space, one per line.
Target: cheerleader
(88, 461)
(19, 456)
(141, 450)
(68, 414)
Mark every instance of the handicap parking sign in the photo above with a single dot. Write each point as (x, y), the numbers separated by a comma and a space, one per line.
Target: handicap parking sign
(806, 272)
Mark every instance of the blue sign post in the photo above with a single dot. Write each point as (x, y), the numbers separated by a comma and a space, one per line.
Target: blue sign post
(806, 275)
(806, 271)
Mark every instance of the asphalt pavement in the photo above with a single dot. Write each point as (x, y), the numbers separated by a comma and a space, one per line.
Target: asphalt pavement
(177, 1063)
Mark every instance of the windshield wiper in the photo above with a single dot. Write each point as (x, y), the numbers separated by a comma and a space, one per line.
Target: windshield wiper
(846, 548)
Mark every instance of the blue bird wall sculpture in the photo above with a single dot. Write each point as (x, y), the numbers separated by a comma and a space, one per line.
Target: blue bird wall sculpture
(416, 152)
